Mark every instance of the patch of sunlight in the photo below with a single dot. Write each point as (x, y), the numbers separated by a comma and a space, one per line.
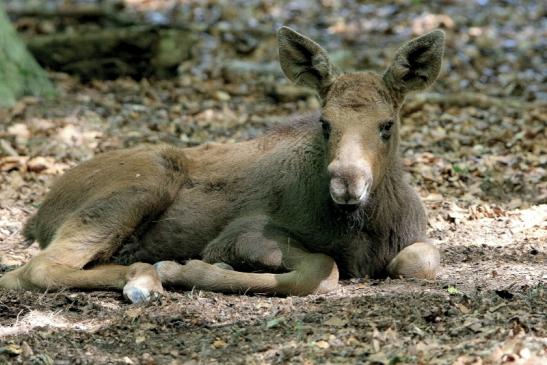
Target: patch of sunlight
(41, 319)
(515, 226)
(535, 216)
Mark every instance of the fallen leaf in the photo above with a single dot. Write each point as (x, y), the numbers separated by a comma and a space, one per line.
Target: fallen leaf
(378, 357)
(322, 344)
(273, 322)
(20, 131)
(26, 350)
(468, 360)
(219, 344)
(335, 322)
(462, 308)
(39, 164)
(11, 349)
(11, 163)
(133, 313)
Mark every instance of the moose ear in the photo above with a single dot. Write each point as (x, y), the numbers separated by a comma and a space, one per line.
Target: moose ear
(303, 61)
(416, 64)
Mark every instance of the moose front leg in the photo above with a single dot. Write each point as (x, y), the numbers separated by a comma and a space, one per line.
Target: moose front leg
(308, 273)
(253, 242)
(420, 260)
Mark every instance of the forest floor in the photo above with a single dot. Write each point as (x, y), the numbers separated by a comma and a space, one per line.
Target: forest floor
(475, 148)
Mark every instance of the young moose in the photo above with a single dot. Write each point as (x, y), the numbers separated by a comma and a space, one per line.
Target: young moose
(288, 211)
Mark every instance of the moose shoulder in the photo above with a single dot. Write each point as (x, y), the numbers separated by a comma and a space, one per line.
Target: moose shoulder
(318, 195)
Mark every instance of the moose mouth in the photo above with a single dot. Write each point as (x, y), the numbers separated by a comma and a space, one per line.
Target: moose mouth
(348, 201)
(350, 195)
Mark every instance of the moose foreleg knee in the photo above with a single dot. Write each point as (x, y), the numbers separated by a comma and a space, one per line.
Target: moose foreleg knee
(420, 260)
(316, 274)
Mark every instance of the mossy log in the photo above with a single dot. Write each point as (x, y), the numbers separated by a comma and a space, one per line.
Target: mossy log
(134, 51)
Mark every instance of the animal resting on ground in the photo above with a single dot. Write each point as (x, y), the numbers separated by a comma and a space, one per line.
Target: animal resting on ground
(282, 214)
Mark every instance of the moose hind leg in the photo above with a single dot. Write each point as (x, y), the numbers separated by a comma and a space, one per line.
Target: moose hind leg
(419, 260)
(61, 264)
(93, 234)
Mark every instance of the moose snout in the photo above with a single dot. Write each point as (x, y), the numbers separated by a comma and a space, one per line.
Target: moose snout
(350, 184)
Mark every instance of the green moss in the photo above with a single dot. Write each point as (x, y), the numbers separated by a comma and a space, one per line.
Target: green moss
(20, 74)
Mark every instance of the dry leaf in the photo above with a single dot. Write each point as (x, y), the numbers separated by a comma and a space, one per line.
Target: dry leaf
(11, 349)
(39, 164)
(322, 344)
(219, 344)
(468, 360)
(133, 313)
(26, 350)
(335, 322)
(20, 131)
(11, 163)
(462, 308)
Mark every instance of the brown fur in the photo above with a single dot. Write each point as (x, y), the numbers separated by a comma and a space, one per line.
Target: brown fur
(262, 205)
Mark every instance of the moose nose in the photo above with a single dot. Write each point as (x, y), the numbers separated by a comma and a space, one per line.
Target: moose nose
(349, 184)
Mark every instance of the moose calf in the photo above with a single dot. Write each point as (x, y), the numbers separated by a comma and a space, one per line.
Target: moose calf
(282, 214)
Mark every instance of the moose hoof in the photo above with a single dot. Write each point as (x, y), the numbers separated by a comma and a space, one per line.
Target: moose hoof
(143, 288)
(138, 295)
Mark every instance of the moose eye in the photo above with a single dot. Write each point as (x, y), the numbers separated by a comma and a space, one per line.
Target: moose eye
(326, 128)
(386, 129)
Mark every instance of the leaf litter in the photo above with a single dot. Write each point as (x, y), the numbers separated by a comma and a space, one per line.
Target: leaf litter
(475, 147)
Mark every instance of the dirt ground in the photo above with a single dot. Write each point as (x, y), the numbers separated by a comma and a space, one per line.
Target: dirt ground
(475, 147)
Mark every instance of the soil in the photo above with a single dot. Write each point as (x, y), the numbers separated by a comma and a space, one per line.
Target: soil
(479, 166)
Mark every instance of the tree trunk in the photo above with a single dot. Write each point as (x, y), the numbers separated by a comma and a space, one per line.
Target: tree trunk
(20, 74)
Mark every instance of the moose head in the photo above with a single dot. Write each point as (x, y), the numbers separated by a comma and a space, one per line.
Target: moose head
(360, 110)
